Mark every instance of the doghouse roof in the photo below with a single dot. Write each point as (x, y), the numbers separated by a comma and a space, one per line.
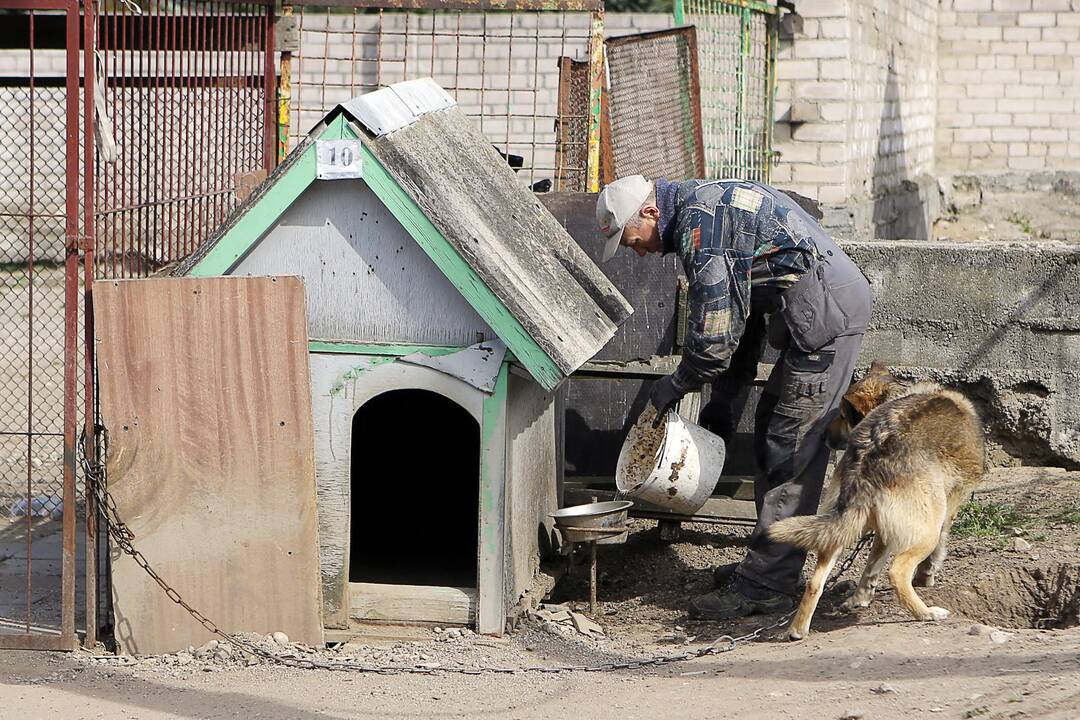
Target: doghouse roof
(460, 201)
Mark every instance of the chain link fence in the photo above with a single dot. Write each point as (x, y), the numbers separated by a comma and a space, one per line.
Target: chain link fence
(737, 42)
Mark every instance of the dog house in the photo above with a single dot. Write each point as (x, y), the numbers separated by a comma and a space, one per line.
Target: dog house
(445, 305)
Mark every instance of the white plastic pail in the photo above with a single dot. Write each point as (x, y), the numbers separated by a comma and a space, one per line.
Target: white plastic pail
(682, 473)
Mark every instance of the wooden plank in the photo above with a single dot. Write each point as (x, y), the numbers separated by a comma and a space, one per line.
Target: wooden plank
(491, 559)
(353, 253)
(411, 603)
(721, 510)
(204, 388)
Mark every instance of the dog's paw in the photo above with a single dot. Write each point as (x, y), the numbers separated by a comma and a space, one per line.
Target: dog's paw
(795, 635)
(854, 603)
(938, 614)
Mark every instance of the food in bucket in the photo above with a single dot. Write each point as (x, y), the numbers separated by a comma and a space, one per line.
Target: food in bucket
(645, 445)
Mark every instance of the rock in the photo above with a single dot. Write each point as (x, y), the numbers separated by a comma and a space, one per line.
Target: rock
(883, 689)
(999, 637)
(853, 715)
(437, 629)
(222, 655)
(983, 630)
(280, 638)
(1019, 544)
(453, 634)
(207, 648)
(585, 626)
(184, 658)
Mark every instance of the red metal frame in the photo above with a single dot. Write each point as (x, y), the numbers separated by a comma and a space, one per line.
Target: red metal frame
(67, 639)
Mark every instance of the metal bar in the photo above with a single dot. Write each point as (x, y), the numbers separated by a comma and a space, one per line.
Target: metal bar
(71, 329)
(30, 343)
(90, 72)
(284, 97)
(465, 5)
(596, 78)
(772, 40)
(269, 131)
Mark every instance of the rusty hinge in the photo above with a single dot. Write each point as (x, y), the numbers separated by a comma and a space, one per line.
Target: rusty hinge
(287, 34)
(82, 243)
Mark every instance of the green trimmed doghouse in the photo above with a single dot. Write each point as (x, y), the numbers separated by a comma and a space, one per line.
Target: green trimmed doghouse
(445, 306)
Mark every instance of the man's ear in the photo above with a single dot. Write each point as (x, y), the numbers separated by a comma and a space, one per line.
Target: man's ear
(650, 211)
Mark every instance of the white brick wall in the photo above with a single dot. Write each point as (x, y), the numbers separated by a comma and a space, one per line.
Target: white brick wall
(862, 73)
(1008, 86)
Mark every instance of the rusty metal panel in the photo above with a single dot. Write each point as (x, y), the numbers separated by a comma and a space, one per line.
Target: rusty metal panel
(572, 126)
(654, 105)
(215, 444)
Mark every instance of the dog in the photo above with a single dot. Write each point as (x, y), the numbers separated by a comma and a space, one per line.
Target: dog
(912, 454)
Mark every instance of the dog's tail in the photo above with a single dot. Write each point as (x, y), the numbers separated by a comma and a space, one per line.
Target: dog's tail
(828, 531)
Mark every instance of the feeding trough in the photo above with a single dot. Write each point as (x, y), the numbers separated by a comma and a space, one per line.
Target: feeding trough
(597, 523)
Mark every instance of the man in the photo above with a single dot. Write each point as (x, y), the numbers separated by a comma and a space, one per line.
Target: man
(751, 254)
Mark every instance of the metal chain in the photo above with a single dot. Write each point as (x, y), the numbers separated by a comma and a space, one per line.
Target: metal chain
(124, 538)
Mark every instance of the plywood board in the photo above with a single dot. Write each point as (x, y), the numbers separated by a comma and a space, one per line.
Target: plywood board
(205, 392)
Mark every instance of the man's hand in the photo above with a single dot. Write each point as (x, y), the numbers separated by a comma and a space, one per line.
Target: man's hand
(664, 395)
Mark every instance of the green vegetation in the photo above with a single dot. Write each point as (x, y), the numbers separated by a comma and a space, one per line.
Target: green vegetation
(1066, 516)
(986, 519)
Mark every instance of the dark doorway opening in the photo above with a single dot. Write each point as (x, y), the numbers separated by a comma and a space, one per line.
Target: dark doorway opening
(415, 479)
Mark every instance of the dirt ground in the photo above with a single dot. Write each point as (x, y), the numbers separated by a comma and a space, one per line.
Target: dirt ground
(875, 664)
(1017, 213)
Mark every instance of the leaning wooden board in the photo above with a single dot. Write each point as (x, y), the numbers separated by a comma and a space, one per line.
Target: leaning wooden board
(205, 393)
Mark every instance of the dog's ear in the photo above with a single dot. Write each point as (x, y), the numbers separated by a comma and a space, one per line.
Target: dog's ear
(854, 407)
(879, 368)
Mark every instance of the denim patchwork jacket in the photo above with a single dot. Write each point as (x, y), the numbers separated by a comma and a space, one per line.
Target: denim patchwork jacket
(732, 236)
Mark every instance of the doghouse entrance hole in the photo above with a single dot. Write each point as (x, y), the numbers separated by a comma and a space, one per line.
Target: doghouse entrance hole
(415, 468)
(1044, 597)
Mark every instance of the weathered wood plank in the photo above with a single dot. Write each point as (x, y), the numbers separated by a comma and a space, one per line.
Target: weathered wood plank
(205, 393)
(412, 603)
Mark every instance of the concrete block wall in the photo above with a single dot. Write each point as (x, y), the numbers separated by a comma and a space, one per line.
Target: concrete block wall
(1008, 86)
(996, 320)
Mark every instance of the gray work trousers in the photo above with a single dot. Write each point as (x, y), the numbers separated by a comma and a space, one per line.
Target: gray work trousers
(801, 397)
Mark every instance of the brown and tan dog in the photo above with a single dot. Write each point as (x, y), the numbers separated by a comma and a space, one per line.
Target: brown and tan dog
(913, 453)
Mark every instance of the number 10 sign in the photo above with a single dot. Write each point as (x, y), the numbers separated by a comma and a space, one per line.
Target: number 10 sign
(338, 159)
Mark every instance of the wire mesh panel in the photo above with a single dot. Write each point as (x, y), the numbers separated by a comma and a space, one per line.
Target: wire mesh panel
(39, 311)
(572, 126)
(501, 67)
(188, 90)
(737, 58)
(653, 108)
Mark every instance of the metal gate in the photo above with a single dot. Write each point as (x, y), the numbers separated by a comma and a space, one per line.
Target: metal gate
(127, 136)
(189, 103)
(737, 42)
(39, 305)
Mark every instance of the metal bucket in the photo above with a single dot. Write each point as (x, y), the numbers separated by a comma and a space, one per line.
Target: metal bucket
(602, 522)
(681, 475)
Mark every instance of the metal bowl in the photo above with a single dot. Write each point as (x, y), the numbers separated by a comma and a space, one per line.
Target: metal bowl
(601, 522)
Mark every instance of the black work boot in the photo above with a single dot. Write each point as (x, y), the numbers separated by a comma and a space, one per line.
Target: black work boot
(722, 575)
(741, 599)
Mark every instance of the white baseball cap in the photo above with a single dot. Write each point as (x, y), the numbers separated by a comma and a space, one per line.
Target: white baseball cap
(617, 203)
